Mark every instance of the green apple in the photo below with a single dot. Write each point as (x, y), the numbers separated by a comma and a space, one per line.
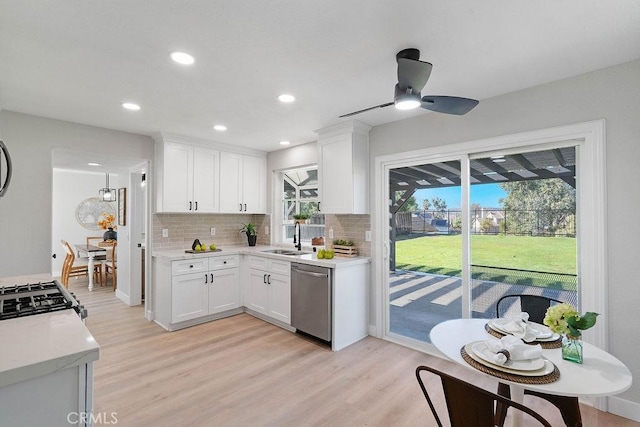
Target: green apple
(212, 247)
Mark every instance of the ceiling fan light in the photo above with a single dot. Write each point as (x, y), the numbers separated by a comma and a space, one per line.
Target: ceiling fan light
(407, 104)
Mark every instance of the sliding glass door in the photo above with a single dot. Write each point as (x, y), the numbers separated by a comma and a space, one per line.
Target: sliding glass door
(465, 232)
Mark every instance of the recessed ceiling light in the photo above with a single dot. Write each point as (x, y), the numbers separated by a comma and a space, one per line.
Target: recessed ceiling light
(284, 143)
(94, 164)
(220, 128)
(130, 106)
(499, 160)
(182, 58)
(285, 97)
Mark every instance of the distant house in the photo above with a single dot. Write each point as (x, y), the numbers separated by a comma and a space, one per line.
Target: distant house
(487, 221)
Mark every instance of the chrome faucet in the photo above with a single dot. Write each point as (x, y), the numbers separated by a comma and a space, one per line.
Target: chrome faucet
(296, 232)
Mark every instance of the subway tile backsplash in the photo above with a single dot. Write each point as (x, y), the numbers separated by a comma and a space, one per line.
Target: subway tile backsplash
(349, 227)
(185, 228)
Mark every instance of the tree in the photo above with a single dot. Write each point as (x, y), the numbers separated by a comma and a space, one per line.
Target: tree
(439, 205)
(553, 200)
(410, 205)
(426, 204)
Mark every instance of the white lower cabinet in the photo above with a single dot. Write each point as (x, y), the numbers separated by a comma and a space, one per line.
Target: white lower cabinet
(198, 288)
(269, 288)
(224, 290)
(189, 297)
(199, 294)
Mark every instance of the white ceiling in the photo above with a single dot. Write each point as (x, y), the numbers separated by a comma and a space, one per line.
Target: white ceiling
(79, 60)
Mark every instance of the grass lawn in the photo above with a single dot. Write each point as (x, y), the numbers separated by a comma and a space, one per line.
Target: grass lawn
(442, 254)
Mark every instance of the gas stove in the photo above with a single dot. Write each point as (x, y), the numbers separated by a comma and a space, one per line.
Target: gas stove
(37, 298)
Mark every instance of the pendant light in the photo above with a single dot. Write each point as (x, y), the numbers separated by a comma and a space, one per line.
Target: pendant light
(108, 194)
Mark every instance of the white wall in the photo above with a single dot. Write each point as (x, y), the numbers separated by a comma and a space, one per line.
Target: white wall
(26, 209)
(612, 94)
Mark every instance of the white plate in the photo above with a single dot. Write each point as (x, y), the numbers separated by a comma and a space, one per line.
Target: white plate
(481, 350)
(546, 370)
(543, 332)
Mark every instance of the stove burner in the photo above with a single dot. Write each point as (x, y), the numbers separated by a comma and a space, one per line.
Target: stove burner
(36, 298)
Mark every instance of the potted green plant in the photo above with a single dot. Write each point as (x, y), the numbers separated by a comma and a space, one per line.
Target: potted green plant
(252, 233)
(301, 218)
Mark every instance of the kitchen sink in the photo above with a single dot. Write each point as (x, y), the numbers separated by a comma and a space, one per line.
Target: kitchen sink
(288, 252)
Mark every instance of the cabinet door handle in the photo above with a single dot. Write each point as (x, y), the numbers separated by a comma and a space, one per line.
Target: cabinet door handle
(190, 205)
(269, 279)
(264, 278)
(205, 278)
(240, 207)
(212, 278)
(319, 207)
(245, 207)
(191, 266)
(196, 205)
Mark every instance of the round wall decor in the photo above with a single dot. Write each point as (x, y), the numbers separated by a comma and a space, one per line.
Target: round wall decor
(89, 211)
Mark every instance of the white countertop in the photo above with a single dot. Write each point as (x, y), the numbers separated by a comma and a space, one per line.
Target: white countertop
(33, 346)
(308, 257)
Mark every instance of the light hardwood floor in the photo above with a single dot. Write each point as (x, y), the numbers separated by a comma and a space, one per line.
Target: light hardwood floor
(241, 371)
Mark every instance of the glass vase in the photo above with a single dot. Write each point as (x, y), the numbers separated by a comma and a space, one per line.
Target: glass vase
(572, 348)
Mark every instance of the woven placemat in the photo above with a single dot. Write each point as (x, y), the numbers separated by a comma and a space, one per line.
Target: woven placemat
(543, 379)
(544, 344)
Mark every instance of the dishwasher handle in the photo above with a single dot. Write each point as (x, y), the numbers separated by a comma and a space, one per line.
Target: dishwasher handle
(310, 273)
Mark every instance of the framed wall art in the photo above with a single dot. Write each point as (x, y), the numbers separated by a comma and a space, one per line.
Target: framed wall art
(122, 206)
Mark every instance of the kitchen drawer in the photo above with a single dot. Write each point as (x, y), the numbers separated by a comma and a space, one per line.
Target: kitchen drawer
(195, 265)
(282, 267)
(258, 262)
(269, 264)
(221, 262)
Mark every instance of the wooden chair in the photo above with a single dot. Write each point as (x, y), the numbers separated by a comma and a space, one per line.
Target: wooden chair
(536, 306)
(468, 405)
(111, 264)
(71, 268)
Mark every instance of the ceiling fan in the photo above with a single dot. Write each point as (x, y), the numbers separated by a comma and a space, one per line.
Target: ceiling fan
(412, 76)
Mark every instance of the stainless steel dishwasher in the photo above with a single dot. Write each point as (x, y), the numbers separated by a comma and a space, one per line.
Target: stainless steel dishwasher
(311, 300)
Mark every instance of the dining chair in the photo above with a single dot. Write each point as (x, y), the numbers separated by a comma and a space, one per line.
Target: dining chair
(467, 404)
(71, 268)
(111, 264)
(536, 306)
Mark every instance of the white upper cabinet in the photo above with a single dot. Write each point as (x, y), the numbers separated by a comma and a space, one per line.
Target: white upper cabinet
(243, 187)
(192, 178)
(188, 181)
(343, 168)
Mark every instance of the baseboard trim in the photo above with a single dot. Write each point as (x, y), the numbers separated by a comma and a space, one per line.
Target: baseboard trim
(624, 408)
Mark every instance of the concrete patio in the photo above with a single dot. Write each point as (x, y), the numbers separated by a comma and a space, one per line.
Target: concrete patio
(419, 301)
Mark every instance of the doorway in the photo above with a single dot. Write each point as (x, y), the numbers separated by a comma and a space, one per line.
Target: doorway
(76, 183)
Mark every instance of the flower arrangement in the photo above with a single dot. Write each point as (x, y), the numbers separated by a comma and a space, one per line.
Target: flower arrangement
(564, 319)
(106, 221)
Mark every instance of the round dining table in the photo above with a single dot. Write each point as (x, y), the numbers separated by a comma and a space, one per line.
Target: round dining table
(600, 374)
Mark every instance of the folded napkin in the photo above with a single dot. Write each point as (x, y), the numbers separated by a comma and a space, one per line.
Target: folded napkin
(512, 348)
(517, 326)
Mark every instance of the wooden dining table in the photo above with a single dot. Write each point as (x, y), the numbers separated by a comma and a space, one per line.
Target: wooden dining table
(90, 251)
(600, 374)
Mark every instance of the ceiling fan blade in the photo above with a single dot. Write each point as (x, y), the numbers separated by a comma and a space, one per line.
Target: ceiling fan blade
(366, 109)
(413, 74)
(448, 104)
